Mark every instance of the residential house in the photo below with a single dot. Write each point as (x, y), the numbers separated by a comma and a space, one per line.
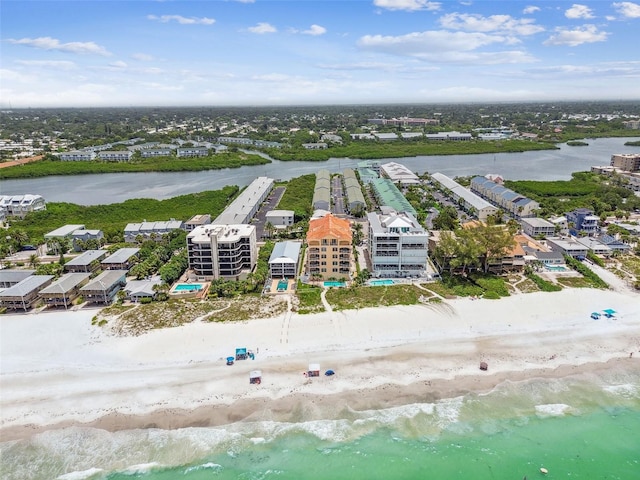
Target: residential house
(24, 294)
(104, 288)
(568, 246)
(537, 227)
(65, 290)
(582, 221)
(87, 262)
(284, 259)
(122, 259)
(11, 277)
(280, 218)
(20, 205)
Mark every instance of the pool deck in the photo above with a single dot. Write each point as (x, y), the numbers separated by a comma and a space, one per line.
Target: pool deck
(274, 286)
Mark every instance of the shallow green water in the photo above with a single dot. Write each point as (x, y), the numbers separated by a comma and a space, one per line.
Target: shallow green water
(577, 429)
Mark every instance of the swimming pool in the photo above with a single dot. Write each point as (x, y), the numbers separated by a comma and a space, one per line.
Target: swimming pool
(556, 268)
(283, 285)
(379, 283)
(334, 284)
(187, 287)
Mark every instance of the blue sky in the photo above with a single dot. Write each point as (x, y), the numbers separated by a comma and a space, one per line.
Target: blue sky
(296, 52)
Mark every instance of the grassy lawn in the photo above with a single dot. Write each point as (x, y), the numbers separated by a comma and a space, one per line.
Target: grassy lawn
(574, 282)
(528, 286)
(308, 299)
(363, 297)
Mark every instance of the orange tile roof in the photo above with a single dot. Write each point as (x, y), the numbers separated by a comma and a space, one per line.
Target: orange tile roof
(329, 227)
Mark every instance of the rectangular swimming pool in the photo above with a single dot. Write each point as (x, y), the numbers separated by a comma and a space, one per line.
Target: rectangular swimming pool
(334, 284)
(187, 287)
(379, 283)
(282, 285)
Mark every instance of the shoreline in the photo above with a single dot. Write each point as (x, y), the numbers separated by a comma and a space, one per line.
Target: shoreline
(59, 371)
(299, 407)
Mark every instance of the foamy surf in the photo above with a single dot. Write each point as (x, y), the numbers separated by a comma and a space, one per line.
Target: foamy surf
(552, 410)
(81, 475)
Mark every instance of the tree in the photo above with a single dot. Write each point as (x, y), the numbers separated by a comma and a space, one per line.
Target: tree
(495, 242)
(34, 260)
(269, 228)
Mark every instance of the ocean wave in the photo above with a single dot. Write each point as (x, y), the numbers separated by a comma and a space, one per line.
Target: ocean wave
(552, 410)
(80, 475)
(626, 390)
(141, 468)
(205, 466)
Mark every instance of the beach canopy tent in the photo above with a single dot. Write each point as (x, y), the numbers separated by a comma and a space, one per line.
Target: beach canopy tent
(328, 373)
(484, 366)
(595, 315)
(241, 353)
(609, 312)
(255, 377)
(314, 370)
(230, 360)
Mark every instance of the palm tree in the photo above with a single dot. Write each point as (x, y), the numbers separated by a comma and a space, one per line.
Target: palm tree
(34, 260)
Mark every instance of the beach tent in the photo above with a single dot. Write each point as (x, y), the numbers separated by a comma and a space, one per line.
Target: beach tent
(241, 353)
(328, 373)
(255, 377)
(484, 366)
(230, 360)
(595, 315)
(609, 312)
(314, 370)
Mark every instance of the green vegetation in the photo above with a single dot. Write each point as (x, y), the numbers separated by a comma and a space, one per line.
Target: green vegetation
(635, 143)
(375, 150)
(595, 259)
(577, 143)
(112, 218)
(298, 196)
(589, 190)
(52, 166)
(363, 297)
(309, 300)
(541, 283)
(586, 272)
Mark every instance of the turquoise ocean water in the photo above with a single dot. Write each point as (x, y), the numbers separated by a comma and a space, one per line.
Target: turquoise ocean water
(585, 427)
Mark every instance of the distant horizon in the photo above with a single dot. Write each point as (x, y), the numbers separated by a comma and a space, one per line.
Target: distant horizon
(237, 53)
(311, 105)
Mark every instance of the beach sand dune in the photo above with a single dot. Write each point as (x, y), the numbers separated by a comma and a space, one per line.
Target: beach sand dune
(58, 370)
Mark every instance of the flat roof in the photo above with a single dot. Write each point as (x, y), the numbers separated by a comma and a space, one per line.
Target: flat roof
(468, 196)
(241, 207)
(121, 256)
(225, 233)
(285, 252)
(537, 222)
(280, 213)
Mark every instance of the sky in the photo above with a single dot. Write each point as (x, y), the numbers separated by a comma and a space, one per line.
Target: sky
(102, 53)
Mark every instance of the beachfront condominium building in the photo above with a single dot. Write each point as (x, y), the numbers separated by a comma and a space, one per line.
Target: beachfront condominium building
(582, 220)
(322, 190)
(329, 248)
(397, 244)
(398, 173)
(517, 205)
(472, 203)
(537, 227)
(222, 251)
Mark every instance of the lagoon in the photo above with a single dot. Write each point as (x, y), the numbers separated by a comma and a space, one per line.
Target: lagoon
(99, 189)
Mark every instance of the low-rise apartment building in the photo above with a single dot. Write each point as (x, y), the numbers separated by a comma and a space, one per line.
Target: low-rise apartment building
(537, 227)
(20, 205)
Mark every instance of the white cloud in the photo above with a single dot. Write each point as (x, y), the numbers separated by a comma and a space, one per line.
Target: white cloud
(263, 27)
(493, 23)
(245, 1)
(579, 11)
(531, 9)
(142, 57)
(407, 5)
(48, 43)
(445, 47)
(315, 30)
(182, 20)
(577, 36)
(628, 9)
(50, 64)
(118, 64)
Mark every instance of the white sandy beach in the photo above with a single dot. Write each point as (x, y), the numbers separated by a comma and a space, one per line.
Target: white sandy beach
(58, 370)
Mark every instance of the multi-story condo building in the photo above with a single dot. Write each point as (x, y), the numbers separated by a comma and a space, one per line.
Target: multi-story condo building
(188, 152)
(322, 190)
(20, 205)
(150, 230)
(517, 205)
(115, 155)
(472, 203)
(222, 251)
(629, 162)
(538, 227)
(247, 204)
(397, 244)
(78, 156)
(329, 247)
